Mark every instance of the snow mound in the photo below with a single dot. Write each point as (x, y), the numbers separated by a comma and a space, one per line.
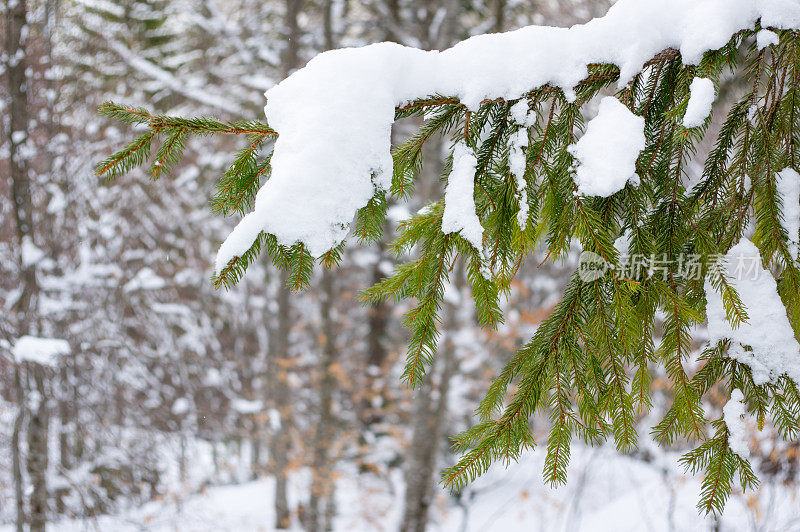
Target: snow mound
(766, 342)
(42, 351)
(459, 198)
(733, 413)
(334, 116)
(701, 98)
(766, 38)
(607, 152)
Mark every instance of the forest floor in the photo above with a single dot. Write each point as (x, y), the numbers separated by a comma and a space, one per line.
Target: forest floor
(606, 491)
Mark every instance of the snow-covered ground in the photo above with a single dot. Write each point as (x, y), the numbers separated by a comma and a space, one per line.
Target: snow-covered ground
(606, 491)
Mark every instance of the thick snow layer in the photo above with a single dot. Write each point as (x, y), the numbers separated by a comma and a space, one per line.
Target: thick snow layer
(773, 350)
(459, 198)
(334, 116)
(733, 413)
(607, 152)
(781, 14)
(702, 95)
(42, 351)
(788, 184)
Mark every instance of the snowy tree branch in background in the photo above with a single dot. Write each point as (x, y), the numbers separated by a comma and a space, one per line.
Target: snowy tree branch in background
(512, 106)
(168, 80)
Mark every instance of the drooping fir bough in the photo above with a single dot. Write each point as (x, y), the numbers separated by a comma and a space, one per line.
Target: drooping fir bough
(525, 171)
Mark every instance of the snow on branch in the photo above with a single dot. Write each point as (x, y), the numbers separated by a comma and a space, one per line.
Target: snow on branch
(766, 341)
(164, 77)
(734, 413)
(607, 152)
(334, 116)
(700, 102)
(42, 351)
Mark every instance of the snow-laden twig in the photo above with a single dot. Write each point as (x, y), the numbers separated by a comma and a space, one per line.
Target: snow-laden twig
(335, 115)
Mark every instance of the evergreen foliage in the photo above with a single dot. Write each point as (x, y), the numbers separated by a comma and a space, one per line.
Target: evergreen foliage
(589, 365)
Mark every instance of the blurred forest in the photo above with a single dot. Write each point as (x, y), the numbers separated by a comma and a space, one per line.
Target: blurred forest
(174, 392)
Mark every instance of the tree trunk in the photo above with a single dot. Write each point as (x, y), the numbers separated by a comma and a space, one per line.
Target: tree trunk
(255, 451)
(37, 452)
(16, 452)
(18, 134)
(280, 361)
(293, 33)
(322, 483)
(63, 431)
(374, 388)
(280, 442)
(499, 15)
(79, 431)
(22, 205)
(429, 427)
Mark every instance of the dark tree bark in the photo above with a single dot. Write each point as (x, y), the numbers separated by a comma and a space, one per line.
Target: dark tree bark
(37, 452)
(16, 455)
(327, 24)
(322, 483)
(499, 15)
(292, 31)
(25, 307)
(278, 371)
(63, 430)
(377, 353)
(16, 20)
(429, 422)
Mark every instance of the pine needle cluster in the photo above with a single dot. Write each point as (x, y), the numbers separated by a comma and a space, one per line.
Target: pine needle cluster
(590, 364)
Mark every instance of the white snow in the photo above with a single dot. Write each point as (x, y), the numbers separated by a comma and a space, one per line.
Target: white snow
(766, 38)
(781, 14)
(246, 406)
(31, 255)
(606, 154)
(787, 183)
(733, 413)
(520, 115)
(335, 115)
(459, 198)
(180, 406)
(18, 137)
(608, 491)
(773, 350)
(42, 351)
(702, 95)
(623, 244)
(145, 279)
(274, 419)
(752, 112)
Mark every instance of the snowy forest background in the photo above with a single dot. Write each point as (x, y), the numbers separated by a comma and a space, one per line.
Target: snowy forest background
(181, 407)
